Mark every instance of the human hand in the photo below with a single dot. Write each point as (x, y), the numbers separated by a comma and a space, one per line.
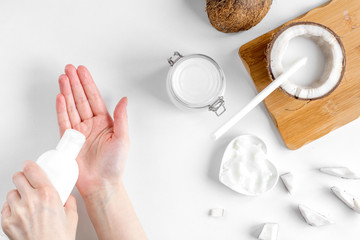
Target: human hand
(81, 107)
(34, 210)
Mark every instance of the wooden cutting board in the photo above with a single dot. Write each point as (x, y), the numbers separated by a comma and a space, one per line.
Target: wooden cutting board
(301, 122)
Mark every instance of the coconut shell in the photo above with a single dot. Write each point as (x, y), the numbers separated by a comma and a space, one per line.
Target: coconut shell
(236, 15)
(271, 44)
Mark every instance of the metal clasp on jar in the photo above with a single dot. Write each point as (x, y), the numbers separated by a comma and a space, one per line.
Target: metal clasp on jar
(218, 106)
(172, 60)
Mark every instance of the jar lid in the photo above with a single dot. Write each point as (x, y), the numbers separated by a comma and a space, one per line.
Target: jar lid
(196, 81)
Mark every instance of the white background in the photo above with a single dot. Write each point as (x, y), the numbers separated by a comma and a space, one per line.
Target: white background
(173, 165)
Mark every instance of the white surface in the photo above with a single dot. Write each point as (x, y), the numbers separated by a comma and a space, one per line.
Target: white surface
(173, 166)
(282, 78)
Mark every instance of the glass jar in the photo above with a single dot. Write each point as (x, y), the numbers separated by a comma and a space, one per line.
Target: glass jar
(196, 82)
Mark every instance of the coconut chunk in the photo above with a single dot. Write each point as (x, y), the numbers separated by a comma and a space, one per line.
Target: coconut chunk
(288, 180)
(342, 172)
(314, 218)
(350, 200)
(356, 203)
(269, 231)
(216, 212)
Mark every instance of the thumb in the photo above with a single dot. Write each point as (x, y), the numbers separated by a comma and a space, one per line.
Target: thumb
(121, 130)
(71, 207)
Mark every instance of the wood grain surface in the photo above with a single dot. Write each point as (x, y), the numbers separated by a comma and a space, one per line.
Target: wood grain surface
(301, 122)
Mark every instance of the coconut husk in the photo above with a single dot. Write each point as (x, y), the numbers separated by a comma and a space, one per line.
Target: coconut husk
(236, 15)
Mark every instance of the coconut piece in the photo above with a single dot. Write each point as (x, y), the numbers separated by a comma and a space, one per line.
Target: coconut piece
(288, 180)
(236, 15)
(350, 200)
(313, 218)
(269, 231)
(330, 44)
(356, 203)
(216, 212)
(342, 172)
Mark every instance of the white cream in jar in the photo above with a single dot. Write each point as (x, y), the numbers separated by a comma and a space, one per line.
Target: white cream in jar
(196, 82)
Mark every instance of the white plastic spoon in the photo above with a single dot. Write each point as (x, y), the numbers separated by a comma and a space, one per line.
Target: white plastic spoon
(259, 98)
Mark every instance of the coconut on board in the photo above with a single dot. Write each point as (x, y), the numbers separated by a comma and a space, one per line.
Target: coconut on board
(329, 43)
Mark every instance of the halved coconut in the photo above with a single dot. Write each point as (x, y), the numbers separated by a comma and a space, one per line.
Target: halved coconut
(333, 51)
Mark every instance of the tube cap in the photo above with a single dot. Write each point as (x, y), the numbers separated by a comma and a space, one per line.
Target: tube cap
(71, 143)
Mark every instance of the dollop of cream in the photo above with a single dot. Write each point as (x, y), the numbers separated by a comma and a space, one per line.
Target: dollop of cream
(245, 167)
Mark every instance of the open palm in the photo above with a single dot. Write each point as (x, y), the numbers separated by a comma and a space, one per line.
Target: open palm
(80, 106)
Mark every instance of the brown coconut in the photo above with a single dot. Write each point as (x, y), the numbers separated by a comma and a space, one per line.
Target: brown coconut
(236, 15)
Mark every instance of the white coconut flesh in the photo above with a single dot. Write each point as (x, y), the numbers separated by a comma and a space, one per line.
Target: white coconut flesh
(332, 69)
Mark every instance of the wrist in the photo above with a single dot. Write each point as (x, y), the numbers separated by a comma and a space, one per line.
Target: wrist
(103, 207)
(102, 193)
